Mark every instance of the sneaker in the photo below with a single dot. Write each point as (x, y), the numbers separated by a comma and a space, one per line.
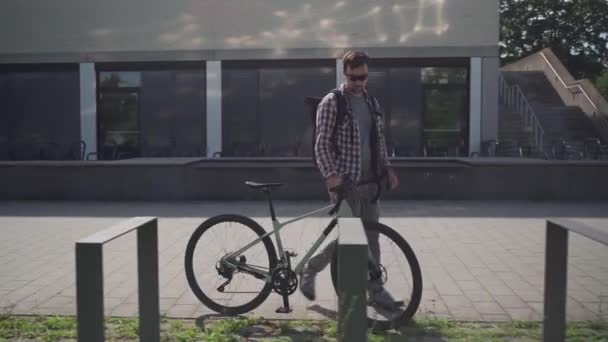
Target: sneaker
(307, 285)
(383, 299)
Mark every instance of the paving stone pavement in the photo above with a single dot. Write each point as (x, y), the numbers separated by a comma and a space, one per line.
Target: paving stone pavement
(481, 261)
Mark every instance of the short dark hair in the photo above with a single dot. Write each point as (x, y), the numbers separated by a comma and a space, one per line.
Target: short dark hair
(354, 59)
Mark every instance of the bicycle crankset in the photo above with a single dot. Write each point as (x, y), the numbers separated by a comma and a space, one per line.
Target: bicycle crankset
(284, 281)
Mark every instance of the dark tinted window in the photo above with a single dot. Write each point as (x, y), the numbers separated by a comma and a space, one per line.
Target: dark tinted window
(241, 124)
(399, 92)
(39, 112)
(263, 110)
(4, 115)
(171, 106)
(425, 106)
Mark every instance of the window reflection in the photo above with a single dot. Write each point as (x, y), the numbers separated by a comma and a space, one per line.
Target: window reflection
(445, 115)
(118, 119)
(120, 79)
(442, 75)
(426, 107)
(169, 115)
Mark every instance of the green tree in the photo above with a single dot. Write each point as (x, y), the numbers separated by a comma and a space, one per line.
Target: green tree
(602, 84)
(576, 30)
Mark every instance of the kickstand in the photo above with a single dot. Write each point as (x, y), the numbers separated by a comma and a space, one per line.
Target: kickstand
(285, 309)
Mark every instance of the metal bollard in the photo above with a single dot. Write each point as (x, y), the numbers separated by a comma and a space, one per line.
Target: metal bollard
(352, 280)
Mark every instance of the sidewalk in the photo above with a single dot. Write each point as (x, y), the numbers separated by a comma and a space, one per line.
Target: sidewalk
(480, 261)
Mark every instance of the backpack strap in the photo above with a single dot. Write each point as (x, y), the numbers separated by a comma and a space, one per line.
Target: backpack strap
(340, 115)
(341, 106)
(375, 106)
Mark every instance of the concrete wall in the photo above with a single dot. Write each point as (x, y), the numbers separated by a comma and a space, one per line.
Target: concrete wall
(89, 30)
(431, 178)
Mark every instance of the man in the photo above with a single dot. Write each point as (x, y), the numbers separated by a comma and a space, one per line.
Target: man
(358, 151)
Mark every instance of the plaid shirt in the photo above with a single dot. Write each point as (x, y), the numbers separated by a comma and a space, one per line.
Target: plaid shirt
(347, 160)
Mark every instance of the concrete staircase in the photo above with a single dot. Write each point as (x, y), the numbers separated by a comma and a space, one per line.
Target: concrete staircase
(560, 122)
(511, 127)
(512, 133)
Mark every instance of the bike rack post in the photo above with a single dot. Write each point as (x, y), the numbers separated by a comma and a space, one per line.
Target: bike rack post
(89, 280)
(556, 272)
(352, 280)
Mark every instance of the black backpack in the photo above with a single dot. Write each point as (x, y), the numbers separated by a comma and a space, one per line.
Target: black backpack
(313, 104)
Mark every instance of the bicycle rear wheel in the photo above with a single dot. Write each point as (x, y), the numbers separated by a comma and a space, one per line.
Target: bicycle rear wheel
(401, 277)
(215, 238)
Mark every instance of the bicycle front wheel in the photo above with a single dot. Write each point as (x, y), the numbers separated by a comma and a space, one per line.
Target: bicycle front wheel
(229, 290)
(401, 278)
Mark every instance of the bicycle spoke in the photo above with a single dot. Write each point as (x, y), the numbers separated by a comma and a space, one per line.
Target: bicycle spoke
(224, 238)
(400, 273)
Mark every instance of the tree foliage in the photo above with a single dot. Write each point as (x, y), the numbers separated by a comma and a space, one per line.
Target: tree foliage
(602, 84)
(576, 30)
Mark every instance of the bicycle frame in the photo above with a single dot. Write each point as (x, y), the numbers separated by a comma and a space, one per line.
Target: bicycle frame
(276, 228)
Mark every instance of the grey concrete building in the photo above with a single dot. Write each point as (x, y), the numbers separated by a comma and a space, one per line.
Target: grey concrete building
(188, 78)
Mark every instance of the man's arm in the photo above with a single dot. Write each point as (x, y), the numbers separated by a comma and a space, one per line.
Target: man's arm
(326, 120)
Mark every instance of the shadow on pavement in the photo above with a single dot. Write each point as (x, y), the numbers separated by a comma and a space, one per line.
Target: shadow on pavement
(327, 313)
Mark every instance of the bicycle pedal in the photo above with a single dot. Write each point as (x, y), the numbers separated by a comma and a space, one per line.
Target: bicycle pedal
(284, 310)
(291, 254)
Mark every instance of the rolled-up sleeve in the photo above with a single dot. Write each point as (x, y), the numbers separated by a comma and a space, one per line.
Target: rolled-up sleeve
(383, 148)
(326, 120)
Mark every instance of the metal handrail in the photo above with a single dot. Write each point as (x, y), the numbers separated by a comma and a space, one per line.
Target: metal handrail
(603, 120)
(89, 280)
(564, 83)
(514, 98)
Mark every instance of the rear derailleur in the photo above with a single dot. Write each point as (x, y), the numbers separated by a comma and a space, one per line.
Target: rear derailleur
(226, 270)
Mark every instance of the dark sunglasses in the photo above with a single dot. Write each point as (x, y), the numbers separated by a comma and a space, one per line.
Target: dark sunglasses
(357, 78)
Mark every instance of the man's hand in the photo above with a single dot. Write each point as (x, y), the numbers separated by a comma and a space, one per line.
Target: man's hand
(332, 182)
(393, 180)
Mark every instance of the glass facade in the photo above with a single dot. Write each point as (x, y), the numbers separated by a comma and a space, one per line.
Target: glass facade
(263, 110)
(151, 110)
(159, 109)
(425, 106)
(40, 112)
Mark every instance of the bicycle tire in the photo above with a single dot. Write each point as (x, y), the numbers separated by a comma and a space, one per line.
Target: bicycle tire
(414, 267)
(190, 275)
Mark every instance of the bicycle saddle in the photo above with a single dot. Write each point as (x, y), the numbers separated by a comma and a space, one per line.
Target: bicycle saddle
(263, 186)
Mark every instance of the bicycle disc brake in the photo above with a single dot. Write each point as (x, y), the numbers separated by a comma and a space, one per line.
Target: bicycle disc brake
(379, 274)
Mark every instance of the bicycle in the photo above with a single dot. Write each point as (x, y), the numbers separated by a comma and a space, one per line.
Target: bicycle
(262, 272)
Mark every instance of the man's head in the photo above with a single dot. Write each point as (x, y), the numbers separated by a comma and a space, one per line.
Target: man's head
(355, 70)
